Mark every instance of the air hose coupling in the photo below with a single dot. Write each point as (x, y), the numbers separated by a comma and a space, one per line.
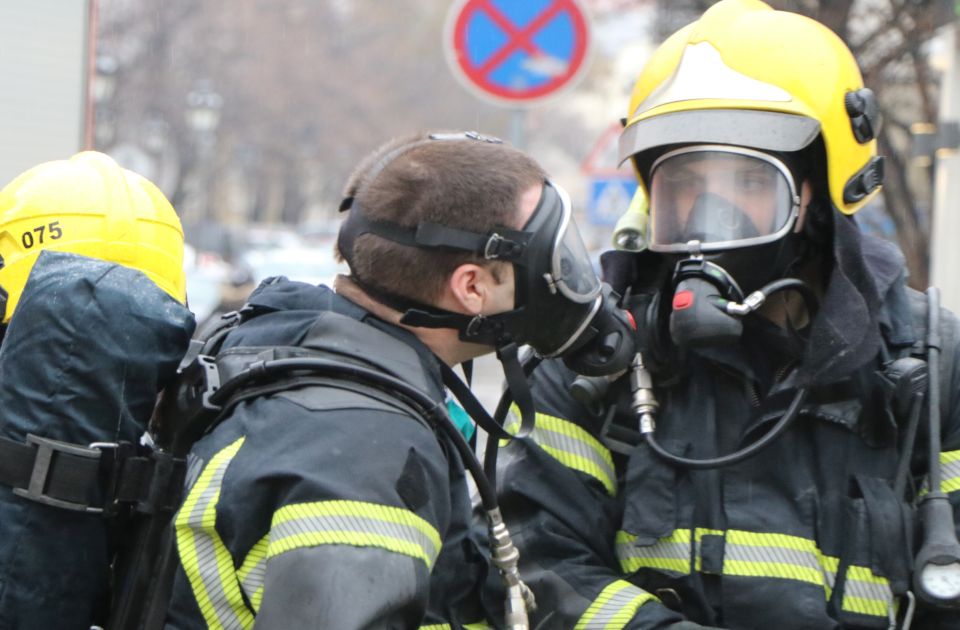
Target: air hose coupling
(642, 401)
(506, 557)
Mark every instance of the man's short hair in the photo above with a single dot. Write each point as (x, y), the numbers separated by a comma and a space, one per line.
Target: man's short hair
(468, 184)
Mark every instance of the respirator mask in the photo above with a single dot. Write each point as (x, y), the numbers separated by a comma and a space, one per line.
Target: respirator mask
(561, 309)
(726, 217)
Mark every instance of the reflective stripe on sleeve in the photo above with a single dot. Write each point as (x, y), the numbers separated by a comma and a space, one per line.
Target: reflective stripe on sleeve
(570, 445)
(252, 572)
(353, 523)
(614, 607)
(950, 471)
(206, 560)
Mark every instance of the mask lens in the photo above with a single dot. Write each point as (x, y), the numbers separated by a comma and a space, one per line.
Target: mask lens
(572, 270)
(719, 197)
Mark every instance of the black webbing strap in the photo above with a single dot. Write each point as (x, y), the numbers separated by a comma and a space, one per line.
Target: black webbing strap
(95, 479)
(516, 382)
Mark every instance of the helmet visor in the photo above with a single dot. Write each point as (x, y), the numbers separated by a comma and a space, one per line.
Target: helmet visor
(714, 198)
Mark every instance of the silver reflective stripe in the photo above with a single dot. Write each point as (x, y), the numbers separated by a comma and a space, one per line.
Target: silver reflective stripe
(669, 555)
(252, 573)
(782, 556)
(206, 560)
(950, 471)
(353, 523)
(865, 593)
(613, 609)
(570, 445)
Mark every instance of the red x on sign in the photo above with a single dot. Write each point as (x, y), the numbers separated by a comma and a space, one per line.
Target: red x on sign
(516, 51)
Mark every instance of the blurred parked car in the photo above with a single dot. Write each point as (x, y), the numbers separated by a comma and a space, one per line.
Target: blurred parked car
(314, 264)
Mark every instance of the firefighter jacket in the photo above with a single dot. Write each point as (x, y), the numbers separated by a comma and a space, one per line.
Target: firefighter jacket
(807, 534)
(326, 507)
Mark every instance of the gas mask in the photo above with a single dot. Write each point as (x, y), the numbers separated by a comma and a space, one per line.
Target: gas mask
(726, 216)
(561, 309)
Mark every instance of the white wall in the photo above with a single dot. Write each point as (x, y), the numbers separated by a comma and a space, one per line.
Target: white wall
(43, 69)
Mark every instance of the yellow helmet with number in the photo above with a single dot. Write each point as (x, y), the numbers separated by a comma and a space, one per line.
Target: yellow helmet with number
(91, 206)
(749, 76)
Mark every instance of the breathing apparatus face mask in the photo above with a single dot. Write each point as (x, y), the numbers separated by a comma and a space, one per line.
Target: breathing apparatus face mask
(561, 309)
(727, 216)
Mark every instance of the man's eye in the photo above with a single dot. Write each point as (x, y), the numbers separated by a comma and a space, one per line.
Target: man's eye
(753, 182)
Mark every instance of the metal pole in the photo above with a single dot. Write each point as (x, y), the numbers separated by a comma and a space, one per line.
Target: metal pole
(945, 225)
(518, 128)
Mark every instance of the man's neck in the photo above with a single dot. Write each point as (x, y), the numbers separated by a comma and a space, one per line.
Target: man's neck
(443, 342)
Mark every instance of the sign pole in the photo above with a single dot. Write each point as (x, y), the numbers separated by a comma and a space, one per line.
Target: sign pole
(518, 128)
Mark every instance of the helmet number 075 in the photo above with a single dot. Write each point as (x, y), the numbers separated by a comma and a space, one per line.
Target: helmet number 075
(53, 228)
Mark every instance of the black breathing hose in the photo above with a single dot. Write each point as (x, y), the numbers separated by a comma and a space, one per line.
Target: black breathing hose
(725, 460)
(518, 599)
(434, 411)
(809, 297)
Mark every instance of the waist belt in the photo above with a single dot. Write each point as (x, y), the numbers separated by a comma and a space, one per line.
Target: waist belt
(100, 478)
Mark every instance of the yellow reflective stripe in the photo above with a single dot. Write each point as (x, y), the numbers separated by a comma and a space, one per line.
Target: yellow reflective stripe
(437, 626)
(353, 523)
(782, 556)
(746, 554)
(480, 625)
(206, 560)
(667, 554)
(614, 607)
(866, 593)
(571, 445)
(761, 555)
(950, 471)
(830, 565)
(252, 572)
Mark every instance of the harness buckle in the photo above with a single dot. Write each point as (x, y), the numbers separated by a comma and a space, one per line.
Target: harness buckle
(499, 247)
(36, 490)
(201, 380)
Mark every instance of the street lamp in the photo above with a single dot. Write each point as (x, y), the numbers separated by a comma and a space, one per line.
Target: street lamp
(203, 117)
(102, 87)
(105, 78)
(203, 109)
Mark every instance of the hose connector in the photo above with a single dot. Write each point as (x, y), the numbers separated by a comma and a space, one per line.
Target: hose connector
(506, 557)
(751, 303)
(642, 401)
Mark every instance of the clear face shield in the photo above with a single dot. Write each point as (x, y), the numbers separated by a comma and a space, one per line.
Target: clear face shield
(571, 270)
(713, 198)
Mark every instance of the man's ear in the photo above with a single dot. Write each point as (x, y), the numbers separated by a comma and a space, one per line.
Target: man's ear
(469, 287)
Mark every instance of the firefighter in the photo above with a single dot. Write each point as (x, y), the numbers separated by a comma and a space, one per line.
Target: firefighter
(763, 464)
(94, 323)
(332, 502)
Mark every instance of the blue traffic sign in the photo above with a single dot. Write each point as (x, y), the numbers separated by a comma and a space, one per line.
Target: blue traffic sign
(517, 51)
(609, 198)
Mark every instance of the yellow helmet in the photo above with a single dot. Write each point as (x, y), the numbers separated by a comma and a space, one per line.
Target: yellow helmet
(746, 75)
(91, 206)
